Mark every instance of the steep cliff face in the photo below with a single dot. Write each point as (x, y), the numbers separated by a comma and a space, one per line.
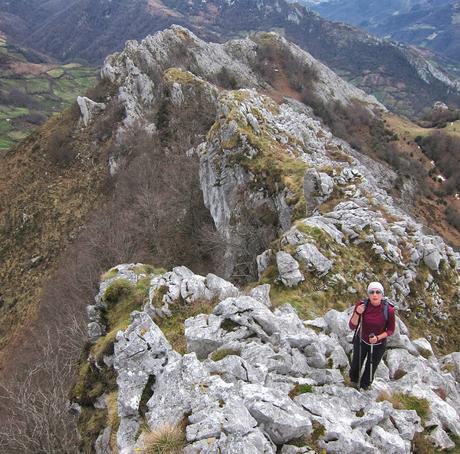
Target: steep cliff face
(255, 369)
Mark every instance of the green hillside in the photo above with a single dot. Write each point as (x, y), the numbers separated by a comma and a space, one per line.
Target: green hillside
(31, 90)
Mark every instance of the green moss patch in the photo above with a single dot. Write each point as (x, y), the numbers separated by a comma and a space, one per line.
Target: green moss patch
(300, 389)
(223, 353)
(158, 294)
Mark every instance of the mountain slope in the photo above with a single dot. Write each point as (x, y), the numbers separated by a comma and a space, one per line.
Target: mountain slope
(430, 24)
(224, 158)
(401, 77)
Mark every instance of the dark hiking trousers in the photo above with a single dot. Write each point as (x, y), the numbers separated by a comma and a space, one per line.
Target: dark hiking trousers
(356, 361)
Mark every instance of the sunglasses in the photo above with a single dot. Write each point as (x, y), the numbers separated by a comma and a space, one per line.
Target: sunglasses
(377, 292)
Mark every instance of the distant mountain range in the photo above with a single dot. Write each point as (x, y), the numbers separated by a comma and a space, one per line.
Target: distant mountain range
(434, 24)
(402, 78)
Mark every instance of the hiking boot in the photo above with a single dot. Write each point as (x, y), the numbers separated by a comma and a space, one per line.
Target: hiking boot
(353, 385)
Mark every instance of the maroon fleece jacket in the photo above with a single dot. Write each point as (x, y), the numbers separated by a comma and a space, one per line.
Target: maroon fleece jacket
(374, 320)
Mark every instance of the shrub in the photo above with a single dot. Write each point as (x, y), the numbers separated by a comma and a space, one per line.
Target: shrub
(36, 118)
(60, 145)
(226, 79)
(117, 290)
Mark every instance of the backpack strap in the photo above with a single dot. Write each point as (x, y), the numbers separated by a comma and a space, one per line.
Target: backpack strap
(386, 310)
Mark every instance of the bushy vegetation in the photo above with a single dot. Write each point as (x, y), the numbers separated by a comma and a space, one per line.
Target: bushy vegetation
(438, 118)
(444, 150)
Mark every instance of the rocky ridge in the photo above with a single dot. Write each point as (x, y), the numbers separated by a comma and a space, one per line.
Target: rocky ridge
(264, 166)
(256, 379)
(270, 170)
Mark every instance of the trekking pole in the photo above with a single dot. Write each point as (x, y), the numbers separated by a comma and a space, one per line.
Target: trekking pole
(359, 350)
(372, 359)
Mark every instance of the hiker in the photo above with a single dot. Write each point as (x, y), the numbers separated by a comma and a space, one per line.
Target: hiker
(373, 320)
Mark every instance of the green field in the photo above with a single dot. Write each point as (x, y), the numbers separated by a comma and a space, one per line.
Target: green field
(29, 98)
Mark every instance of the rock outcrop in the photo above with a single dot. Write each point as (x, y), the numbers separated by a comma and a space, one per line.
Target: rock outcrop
(257, 380)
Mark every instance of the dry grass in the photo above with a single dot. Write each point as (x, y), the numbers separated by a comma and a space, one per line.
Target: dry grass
(41, 207)
(168, 439)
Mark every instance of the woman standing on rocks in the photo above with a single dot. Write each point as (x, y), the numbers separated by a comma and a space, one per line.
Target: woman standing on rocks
(375, 318)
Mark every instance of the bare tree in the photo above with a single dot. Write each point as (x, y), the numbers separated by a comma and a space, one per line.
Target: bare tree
(39, 420)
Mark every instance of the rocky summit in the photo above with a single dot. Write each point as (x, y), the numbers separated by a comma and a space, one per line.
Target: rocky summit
(259, 364)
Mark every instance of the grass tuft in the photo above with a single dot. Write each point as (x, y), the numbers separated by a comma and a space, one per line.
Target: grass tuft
(402, 401)
(168, 439)
(173, 327)
(300, 389)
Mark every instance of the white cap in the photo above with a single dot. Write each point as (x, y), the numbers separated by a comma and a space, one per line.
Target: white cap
(375, 286)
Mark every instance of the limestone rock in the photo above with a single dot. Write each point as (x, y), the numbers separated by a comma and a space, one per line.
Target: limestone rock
(276, 413)
(288, 268)
(262, 294)
(317, 188)
(312, 257)
(88, 109)
(140, 351)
